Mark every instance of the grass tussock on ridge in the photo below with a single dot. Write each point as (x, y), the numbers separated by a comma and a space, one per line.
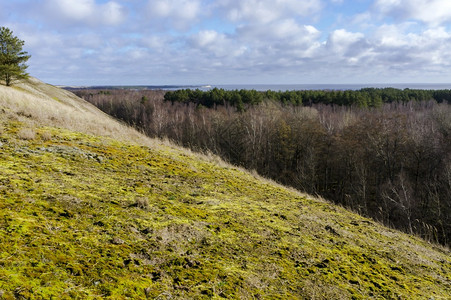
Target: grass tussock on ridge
(84, 216)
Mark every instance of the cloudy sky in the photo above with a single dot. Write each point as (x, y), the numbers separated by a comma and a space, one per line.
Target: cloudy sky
(94, 42)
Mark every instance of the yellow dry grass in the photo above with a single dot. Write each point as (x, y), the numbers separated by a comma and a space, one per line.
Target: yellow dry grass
(36, 103)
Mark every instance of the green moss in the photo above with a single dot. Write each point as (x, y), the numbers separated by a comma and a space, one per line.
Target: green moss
(88, 217)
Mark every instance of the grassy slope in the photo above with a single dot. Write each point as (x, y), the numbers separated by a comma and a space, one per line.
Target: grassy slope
(109, 213)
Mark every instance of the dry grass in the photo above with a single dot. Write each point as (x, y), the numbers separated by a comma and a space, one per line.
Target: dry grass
(142, 202)
(46, 136)
(26, 134)
(36, 104)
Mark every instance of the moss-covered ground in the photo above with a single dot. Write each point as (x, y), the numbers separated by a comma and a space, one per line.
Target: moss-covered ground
(90, 217)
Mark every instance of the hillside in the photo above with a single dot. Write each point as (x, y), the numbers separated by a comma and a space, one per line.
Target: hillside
(92, 209)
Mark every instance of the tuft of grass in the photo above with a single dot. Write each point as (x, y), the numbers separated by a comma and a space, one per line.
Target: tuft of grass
(46, 136)
(26, 134)
(141, 202)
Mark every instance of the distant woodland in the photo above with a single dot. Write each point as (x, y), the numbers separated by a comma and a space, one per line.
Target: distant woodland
(385, 153)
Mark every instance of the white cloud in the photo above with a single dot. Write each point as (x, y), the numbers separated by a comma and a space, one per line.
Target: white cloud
(287, 31)
(180, 14)
(156, 43)
(210, 46)
(254, 49)
(340, 41)
(392, 36)
(266, 11)
(414, 50)
(206, 38)
(346, 49)
(112, 13)
(432, 12)
(86, 12)
(283, 42)
(76, 10)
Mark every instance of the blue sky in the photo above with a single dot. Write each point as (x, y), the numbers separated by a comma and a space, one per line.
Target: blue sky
(110, 42)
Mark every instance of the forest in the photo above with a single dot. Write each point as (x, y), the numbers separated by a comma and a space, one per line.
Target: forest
(367, 97)
(384, 153)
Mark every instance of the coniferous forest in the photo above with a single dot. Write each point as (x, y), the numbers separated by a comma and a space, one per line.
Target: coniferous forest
(385, 153)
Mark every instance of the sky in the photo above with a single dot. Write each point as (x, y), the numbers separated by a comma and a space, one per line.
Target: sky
(159, 42)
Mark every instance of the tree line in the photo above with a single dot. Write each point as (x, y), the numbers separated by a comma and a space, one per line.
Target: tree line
(366, 97)
(391, 162)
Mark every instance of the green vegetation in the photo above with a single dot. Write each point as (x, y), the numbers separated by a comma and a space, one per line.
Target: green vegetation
(84, 216)
(367, 97)
(12, 57)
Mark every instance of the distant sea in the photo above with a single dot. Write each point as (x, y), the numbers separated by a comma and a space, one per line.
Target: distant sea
(342, 87)
(278, 87)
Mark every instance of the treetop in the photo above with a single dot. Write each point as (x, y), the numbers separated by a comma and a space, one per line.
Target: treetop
(12, 57)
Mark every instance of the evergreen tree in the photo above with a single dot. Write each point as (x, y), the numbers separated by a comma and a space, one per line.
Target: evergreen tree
(12, 57)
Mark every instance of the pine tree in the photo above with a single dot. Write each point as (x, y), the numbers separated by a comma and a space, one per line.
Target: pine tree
(12, 57)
